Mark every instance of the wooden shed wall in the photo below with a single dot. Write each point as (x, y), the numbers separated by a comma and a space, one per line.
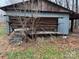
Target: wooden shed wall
(40, 24)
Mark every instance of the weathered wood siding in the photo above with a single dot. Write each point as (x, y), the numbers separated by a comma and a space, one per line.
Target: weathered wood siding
(63, 19)
(40, 24)
(41, 6)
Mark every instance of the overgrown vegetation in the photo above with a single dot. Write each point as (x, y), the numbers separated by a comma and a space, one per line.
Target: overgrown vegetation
(21, 55)
(46, 53)
(45, 50)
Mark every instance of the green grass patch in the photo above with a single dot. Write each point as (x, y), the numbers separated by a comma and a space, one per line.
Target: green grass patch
(44, 50)
(37, 53)
(28, 54)
(51, 53)
(2, 31)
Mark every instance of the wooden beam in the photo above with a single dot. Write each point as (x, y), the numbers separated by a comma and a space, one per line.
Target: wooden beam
(72, 24)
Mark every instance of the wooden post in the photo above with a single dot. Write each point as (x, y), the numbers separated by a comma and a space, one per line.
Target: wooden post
(72, 24)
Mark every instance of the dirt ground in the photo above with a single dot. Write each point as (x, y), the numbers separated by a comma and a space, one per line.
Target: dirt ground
(71, 42)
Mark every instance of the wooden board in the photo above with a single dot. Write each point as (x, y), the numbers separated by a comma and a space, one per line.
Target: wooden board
(41, 24)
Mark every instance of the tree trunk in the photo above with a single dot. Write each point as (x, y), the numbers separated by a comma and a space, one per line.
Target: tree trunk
(67, 4)
(76, 21)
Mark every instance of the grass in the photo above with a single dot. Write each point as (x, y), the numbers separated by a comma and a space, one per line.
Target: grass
(71, 54)
(21, 55)
(30, 54)
(2, 31)
(52, 54)
(44, 50)
(48, 53)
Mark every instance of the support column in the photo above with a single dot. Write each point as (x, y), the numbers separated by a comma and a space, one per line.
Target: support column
(72, 24)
